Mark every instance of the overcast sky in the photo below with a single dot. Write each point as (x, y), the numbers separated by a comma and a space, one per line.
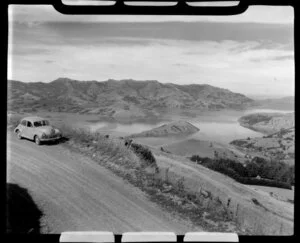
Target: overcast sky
(251, 53)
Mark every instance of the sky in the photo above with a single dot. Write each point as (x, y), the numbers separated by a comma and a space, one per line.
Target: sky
(251, 53)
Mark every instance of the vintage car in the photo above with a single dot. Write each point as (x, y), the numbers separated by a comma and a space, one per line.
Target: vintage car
(37, 129)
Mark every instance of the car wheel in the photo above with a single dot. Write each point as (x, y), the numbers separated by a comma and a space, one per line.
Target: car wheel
(19, 135)
(37, 140)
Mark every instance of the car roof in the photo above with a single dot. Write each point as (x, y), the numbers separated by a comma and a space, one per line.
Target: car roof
(33, 118)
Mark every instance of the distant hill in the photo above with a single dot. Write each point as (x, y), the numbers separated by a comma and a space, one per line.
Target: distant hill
(114, 98)
(170, 129)
(285, 103)
(268, 122)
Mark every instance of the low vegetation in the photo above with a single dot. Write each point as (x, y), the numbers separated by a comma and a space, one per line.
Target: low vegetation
(13, 120)
(258, 171)
(97, 144)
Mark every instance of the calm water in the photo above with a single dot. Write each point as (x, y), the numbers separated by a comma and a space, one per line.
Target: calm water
(222, 131)
(219, 126)
(214, 126)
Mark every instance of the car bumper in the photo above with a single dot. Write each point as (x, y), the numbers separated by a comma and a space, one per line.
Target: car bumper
(50, 139)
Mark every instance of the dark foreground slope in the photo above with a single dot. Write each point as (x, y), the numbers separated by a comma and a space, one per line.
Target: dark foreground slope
(23, 215)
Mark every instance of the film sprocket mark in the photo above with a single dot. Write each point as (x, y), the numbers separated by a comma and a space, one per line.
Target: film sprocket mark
(181, 8)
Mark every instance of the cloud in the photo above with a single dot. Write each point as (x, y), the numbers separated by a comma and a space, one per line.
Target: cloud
(28, 50)
(49, 61)
(284, 57)
(220, 54)
(165, 61)
(73, 33)
(274, 58)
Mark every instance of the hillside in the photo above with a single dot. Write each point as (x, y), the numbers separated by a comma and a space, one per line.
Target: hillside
(190, 147)
(124, 98)
(236, 197)
(277, 146)
(268, 122)
(285, 103)
(170, 129)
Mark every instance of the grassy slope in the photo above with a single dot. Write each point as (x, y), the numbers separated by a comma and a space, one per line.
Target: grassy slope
(248, 214)
(241, 209)
(111, 153)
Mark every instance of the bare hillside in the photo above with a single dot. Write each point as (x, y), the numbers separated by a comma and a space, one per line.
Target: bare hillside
(170, 129)
(125, 98)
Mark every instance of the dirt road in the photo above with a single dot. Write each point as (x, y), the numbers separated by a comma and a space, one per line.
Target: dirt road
(75, 193)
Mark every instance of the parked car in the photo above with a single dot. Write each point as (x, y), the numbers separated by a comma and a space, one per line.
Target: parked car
(37, 129)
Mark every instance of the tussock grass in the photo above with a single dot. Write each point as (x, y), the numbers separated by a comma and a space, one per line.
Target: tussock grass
(99, 145)
(13, 121)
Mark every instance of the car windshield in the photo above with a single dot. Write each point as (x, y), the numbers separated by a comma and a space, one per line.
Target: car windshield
(41, 123)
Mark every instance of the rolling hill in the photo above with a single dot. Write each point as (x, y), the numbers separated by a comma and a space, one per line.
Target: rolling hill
(114, 98)
(285, 103)
(278, 146)
(279, 141)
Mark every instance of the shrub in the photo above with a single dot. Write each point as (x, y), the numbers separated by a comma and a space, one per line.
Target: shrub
(255, 201)
(201, 160)
(264, 182)
(275, 174)
(144, 153)
(180, 186)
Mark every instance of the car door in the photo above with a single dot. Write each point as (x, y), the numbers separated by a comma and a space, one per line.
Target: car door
(29, 130)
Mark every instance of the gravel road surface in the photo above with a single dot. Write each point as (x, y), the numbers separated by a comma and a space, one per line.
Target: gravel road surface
(75, 193)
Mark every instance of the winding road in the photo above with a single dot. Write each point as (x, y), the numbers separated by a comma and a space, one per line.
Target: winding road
(75, 193)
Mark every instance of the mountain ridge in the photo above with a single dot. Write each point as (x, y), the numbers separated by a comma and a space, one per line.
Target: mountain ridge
(117, 97)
